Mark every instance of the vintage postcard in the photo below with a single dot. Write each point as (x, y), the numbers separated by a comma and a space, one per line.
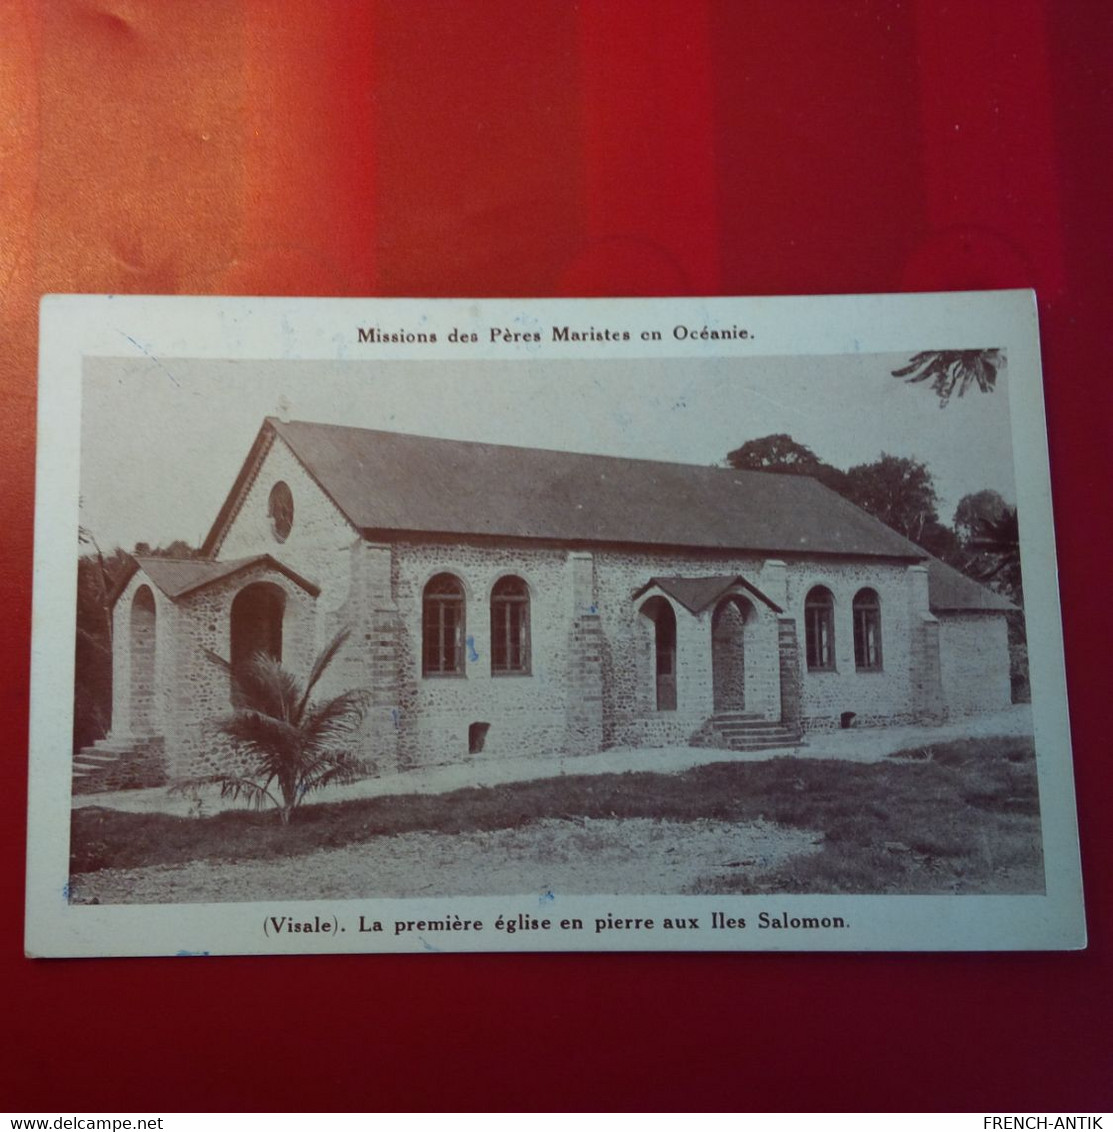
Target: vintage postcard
(407, 625)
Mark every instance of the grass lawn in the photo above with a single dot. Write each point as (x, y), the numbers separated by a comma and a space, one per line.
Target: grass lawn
(952, 817)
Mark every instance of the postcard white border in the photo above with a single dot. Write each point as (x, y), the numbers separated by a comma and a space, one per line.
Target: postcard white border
(75, 327)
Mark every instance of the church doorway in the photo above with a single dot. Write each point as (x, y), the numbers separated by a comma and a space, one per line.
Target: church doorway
(257, 612)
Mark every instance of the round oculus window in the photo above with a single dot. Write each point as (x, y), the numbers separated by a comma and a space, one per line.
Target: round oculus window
(281, 510)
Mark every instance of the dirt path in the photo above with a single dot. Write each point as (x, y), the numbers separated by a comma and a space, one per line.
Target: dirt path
(635, 855)
(866, 744)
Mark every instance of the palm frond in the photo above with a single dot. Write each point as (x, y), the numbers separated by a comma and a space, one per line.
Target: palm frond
(294, 746)
(914, 363)
(260, 730)
(954, 371)
(936, 369)
(340, 716)
(255, 794)
(320, 665)
(232, 786)
(337, 766)
(264, 685)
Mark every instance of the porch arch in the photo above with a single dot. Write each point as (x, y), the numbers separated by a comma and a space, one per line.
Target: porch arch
(661, 614)
(141, 641)
(256, 620)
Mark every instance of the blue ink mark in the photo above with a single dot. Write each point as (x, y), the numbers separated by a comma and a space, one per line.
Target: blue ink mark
(65, 892)
(190, 954)
(546, 897)
(143, 350)
(395, 716)
(593, 608)
(472, 654)
(427, 945)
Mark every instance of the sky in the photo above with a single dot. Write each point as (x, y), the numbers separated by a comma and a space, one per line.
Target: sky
(162, 441)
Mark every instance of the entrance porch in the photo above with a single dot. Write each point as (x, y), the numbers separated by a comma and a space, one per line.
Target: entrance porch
(720, 663)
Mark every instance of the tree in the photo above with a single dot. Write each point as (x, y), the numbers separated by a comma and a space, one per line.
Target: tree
(179, 548)
(938, 539)
(293, 744)
(897, 490)
(780, 453)
(990, 536)
(97, 576)
(1000, 539)
(972, 509)
(776, 453)
(952, 371)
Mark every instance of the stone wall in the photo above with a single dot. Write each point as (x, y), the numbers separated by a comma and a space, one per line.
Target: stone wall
(592, 667)
(202, 688)
(874, 696)
(317, 545)
(791, 684)
(527, 712)
(629, 676)
(190, 689)
(355, 584)
(974, 657)
(591, 677)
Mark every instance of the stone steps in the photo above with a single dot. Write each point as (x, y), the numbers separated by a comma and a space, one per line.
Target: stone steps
(740, 731)
(119, 764)
(754, 729)
(88, 761)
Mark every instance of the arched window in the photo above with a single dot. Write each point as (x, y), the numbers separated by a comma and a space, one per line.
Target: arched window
(442, 620)
(819, 629)
(867, 630)
(280, 510)
(510, 627)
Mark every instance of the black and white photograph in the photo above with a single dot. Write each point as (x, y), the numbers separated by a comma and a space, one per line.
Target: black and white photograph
(581, 625)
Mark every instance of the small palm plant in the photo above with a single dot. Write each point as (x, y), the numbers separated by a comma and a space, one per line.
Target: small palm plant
(293, 744)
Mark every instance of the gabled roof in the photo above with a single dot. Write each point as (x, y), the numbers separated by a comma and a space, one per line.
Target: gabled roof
(391, 482)
(696, 594)
(176, 577)
(951, 591)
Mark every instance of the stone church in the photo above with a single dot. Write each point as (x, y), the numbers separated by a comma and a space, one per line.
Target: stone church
(507, 601)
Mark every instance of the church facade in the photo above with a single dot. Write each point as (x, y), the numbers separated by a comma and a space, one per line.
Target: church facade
(503, 602)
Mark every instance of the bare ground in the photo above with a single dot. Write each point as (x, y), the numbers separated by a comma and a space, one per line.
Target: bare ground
(585, 856)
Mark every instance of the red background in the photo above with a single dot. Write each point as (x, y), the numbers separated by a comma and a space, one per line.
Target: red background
(396, 147)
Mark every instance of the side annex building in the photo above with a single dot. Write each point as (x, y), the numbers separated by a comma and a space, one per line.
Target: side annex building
(507, 601)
